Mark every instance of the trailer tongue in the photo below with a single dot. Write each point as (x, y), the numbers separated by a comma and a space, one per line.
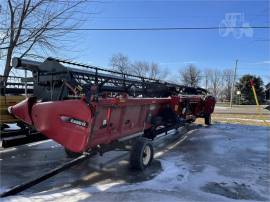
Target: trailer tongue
(19, 188)
(97, 110)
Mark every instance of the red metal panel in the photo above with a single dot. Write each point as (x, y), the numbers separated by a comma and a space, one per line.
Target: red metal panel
(79, 126)
(58, 121)
(118, 118)
(209, 104)
(22, 110)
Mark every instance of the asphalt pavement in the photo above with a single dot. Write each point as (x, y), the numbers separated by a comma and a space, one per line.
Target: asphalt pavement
(223, 162)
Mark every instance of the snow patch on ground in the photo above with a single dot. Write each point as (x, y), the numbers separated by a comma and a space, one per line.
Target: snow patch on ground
(178, 180)
(172, 179)
(12, 126)
(220, 107)
(242, 119)
(175, 172)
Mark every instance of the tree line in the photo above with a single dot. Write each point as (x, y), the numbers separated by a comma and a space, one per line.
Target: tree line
(121, 63)
(218, 82)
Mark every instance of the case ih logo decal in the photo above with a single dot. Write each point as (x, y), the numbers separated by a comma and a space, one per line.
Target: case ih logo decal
(74, 121)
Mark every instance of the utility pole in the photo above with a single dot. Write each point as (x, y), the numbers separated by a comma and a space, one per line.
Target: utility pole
(233, 84)
(25, 84)
(206, 82)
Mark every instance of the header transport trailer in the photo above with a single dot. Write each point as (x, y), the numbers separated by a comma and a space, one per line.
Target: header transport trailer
(90, 109)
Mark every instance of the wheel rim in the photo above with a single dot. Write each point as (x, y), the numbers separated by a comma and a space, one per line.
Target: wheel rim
(146, 155)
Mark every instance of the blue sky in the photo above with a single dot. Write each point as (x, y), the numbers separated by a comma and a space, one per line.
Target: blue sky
(174, 49)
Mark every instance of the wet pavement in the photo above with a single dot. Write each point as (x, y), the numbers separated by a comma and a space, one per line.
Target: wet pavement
(223, 162)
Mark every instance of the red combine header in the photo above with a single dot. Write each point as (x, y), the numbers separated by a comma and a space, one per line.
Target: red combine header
(94, 109)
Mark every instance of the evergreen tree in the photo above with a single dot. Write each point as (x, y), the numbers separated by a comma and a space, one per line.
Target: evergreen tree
(244, 86)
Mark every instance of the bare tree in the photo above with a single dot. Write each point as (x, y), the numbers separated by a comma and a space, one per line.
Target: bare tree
(154, 71)
(190, 76)
(120, 62)
(215, 78)
(34, 26)
(227, 82)
(207, 75)
(140, 68)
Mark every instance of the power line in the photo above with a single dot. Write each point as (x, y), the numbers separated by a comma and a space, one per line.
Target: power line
(144, 29)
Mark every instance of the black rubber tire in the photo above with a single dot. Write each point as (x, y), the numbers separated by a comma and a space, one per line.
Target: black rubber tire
(71, 154)
(207, 119)
(140, 148)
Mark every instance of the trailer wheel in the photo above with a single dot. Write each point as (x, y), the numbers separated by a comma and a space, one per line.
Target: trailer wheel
(207, 119)
(141, 154)
(71, 154)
